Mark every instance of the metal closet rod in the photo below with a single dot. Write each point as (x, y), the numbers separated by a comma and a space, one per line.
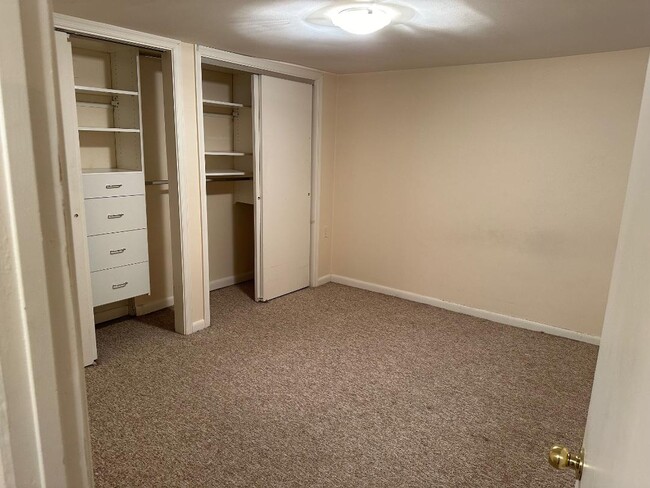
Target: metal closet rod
(209, 178)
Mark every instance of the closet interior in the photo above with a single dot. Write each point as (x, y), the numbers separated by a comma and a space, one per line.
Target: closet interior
(255, 138)
(122, 154)
(226, 104)
(255, 143)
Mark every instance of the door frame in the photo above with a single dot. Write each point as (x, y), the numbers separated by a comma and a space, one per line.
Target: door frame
(260, 66)
(44, 435)
(172, 70)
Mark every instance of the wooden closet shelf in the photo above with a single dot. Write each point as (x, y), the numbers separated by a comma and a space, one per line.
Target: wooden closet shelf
(226, 172)
(218, 103)
(91, 90)
(107, 129)
(225, 153)
(108, 170)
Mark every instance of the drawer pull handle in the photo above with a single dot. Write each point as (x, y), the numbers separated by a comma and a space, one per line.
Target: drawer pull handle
(117, 251)
(120, 285)
(113, 187)
(115, 216)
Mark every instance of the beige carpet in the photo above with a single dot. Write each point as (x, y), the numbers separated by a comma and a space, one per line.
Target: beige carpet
(333, 387)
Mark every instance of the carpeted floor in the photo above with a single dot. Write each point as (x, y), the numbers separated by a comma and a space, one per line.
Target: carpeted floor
(333, 387)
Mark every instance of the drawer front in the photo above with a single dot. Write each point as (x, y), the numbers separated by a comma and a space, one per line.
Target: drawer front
(105, 215)
(113, 250)
(101, 185)
(112, 285)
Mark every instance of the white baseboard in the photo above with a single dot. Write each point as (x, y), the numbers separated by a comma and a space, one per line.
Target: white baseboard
(199, 325)
(324, 279)
(154, 306)
(230, 280)
(474, 312)
(111, 313)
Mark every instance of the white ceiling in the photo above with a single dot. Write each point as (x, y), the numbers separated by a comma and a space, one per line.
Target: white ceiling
(427, 33)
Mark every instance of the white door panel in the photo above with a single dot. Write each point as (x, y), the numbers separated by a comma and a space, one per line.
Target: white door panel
(617, 437)
(79, 245)
(284, 185)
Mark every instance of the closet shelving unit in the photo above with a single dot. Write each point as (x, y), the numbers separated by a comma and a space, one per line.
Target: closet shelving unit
(107, 92)
(225, 102)
(108, 106)
(227, 130)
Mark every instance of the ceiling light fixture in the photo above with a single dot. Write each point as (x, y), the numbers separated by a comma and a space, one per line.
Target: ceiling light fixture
(361, 20)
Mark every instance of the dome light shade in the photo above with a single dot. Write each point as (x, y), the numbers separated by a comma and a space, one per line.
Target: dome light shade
(361, 20)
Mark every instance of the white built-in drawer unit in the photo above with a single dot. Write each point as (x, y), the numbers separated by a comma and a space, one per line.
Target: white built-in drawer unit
(113, 184)
(118, 214)
(116, 225)
(112, 285)
(119, 249)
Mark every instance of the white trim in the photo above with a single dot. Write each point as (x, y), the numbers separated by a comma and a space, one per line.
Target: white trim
(257, 185)
(183, 323)
(199, 325)
(474, 312)
(203, 196)
(40, 351)
(324, 279)
(316, 148)
(182, 312)
(258, 65)
(154, 306)
(140, 309)
(230, 280)
(111, 314)
(112, 32)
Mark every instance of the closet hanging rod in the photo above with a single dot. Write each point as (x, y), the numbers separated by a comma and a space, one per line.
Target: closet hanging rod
(209, 178)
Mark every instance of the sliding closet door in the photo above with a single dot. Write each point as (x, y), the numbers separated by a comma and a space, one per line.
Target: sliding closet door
(284, 186)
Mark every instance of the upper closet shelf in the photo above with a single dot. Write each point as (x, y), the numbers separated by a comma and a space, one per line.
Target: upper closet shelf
(107, 129)
(225, 153)
(90, 90)
(225, 172)
(217, 103)
(108, 170)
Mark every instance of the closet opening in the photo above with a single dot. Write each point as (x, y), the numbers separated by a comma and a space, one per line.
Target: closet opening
(123, 176)
(255, 138)
(227, 109)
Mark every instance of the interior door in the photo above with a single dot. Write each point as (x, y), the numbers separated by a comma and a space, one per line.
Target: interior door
(78, 252)
(283, 186)
(617, 437)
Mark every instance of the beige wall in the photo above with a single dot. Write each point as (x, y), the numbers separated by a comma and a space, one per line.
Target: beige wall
(496, 186)
(499, 187)
(231, 235)
(155, 168)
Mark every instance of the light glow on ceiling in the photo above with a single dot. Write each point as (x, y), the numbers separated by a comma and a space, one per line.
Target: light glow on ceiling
(361, 20)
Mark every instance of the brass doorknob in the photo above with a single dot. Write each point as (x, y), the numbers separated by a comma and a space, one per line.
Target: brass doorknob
(560, 458)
